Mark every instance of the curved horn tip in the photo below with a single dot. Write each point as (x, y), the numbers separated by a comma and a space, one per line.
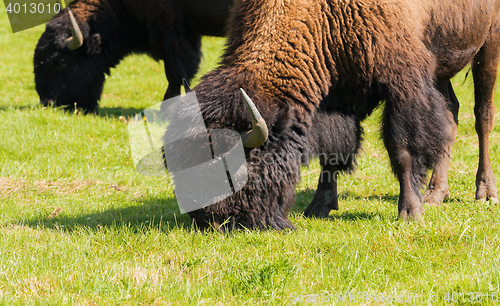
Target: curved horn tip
(76, 40)
(259, 133)
(254, 112)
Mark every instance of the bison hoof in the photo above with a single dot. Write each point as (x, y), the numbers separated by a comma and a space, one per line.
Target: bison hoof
(412, 215)
(321, 206)
(485, 187)
(483, 193)
(321, 212)
(436, 196)
(492, 200)
(319, 209)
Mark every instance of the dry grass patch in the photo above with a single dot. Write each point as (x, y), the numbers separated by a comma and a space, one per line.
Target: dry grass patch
(11, 186)
(35, 286)
(63, 187)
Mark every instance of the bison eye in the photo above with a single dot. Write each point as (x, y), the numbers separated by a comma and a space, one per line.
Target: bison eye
(60, 40)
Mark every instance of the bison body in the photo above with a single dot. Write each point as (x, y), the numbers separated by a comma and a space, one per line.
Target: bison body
(112, 29)
(316, 68)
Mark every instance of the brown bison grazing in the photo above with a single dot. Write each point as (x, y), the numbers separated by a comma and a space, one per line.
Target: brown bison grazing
(316, 68)
(73, 72)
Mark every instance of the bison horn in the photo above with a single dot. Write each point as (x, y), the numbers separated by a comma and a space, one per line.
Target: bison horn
(258, 135)
(185, 83)
(76, 41)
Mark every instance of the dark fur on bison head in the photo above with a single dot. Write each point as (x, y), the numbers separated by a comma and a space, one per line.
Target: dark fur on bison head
(65, 77)
(112, 29)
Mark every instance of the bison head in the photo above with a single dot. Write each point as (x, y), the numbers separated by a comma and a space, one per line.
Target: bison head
(67, 64)
(273, 166)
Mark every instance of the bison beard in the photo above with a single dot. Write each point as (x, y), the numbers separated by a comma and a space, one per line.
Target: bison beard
(112, 29)
(316, 69)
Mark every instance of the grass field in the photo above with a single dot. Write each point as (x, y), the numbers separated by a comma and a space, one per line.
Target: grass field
(78, 226)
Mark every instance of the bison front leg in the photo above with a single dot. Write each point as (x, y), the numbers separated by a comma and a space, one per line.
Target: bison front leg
(416, 125)
(325, 198)
(173, 89)
(438, 188)
(484, 70)
(339, 141)
(181, 56)
(410, 205)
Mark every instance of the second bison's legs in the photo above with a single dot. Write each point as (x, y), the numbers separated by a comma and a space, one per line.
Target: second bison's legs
(325, 198)
(438, 188)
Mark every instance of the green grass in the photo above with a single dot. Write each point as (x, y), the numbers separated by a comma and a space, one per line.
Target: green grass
(79, 226)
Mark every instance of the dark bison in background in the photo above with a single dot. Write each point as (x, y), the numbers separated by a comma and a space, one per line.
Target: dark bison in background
(316, 69)
(71, 72)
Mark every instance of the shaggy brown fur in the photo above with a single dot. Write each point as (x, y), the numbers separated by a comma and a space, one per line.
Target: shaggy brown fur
(292, 56)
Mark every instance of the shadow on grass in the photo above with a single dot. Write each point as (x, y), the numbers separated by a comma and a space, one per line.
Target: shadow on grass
(304, 197)
(356, 216)
(109, 112)
(164, 214)
(351, 216)
(118, 112)
(148, 213)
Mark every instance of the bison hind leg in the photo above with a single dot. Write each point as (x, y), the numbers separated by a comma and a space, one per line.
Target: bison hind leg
(484, 71)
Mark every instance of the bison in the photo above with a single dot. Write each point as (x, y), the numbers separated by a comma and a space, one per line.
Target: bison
(71, 70)
(316, 68)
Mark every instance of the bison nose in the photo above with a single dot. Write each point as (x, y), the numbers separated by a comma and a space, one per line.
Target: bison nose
(47, 102)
